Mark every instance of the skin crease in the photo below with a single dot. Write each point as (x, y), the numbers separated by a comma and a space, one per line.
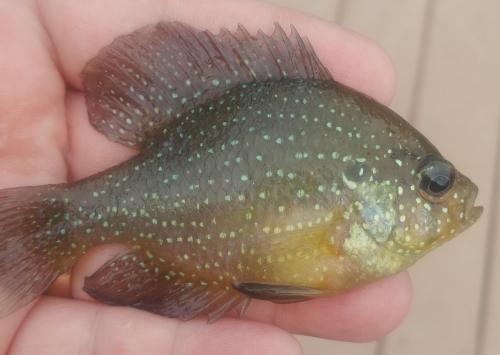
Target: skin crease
(45, 138)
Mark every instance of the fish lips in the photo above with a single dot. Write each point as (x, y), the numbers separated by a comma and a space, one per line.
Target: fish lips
(471, 212)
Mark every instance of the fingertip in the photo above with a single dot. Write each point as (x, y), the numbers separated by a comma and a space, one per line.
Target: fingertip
(381, 71)
(360, 315)
(374, 310)
(358, 62)
(384, 73)
(391, 302)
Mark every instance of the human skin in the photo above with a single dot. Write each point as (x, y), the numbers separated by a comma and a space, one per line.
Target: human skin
(45, 138)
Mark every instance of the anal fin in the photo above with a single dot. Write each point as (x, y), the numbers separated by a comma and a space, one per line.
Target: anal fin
(140, 280)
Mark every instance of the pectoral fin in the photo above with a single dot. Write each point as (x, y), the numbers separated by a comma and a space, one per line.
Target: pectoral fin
(277, 293)
(143, 281)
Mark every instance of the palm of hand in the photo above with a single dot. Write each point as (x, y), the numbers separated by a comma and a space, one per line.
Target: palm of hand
(45, 138)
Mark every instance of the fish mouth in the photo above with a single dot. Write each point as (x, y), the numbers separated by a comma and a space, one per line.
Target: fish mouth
(471, 212)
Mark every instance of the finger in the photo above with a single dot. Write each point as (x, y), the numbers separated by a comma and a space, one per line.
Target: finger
(79, 29)
(364, 314)
(32, 128)
(61, 326)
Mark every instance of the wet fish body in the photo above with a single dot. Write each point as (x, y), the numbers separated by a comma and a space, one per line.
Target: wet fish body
(258, 176)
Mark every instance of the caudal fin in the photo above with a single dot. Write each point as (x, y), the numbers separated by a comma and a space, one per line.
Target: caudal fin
(33, 243)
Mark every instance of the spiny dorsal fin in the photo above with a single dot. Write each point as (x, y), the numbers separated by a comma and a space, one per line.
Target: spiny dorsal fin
(140, 280)
(141, 81)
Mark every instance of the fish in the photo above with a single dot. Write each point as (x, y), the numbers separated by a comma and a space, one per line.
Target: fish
(258, 176)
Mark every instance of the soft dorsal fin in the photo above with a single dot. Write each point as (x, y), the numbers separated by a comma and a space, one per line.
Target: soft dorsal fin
(141, 81)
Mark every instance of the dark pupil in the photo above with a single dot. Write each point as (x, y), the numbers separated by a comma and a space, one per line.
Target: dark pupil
(439, 184)
(437, 176)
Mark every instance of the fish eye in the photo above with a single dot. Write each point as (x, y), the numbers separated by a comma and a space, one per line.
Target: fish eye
(437, 177)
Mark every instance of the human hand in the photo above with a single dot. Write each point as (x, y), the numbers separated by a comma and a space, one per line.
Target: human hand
(45, 138)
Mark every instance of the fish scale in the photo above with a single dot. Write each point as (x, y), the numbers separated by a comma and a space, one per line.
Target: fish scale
(257, 176)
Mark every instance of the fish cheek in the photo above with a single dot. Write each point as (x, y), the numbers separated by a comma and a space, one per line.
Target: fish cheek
(429, 226)
(374, 224)
(376, 208)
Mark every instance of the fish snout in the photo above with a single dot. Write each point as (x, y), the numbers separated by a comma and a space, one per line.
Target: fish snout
(472, 212)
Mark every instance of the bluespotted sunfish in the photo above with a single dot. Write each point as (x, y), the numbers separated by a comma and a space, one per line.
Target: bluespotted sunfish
(258, 176)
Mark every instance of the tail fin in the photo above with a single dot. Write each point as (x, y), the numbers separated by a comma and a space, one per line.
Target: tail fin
(33, 243)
